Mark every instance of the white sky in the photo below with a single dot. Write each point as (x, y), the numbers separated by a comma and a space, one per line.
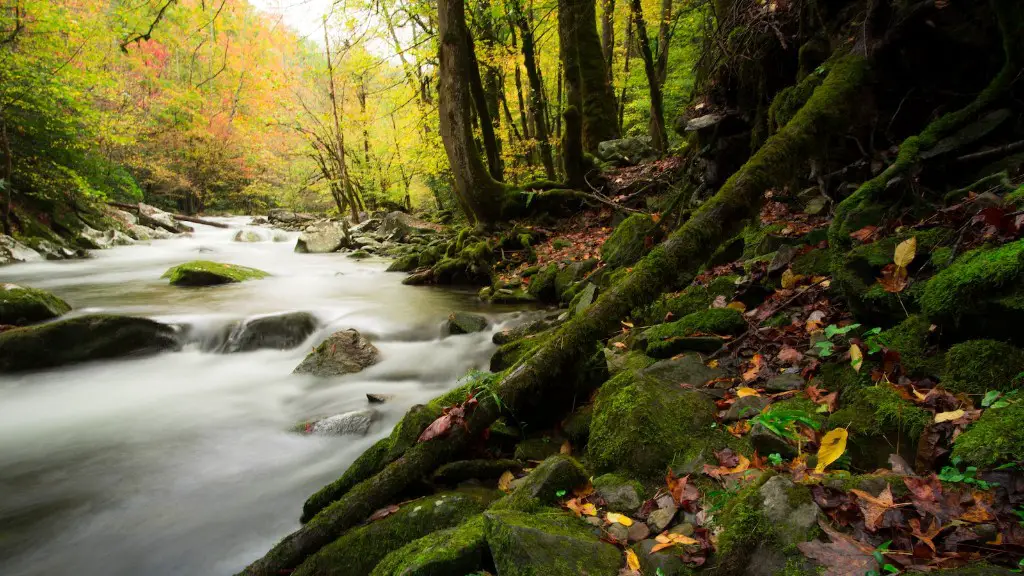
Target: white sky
(304, 16)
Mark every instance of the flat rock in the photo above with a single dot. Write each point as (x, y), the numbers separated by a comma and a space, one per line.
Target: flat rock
(355, 423)
(660, 519)
(278, 332)
(745, 407)
(687, 369)
(12, 251)
(465, 323)
(206, 273)
(552, 544)
(323, 239)
(344, 352)
(784, 383)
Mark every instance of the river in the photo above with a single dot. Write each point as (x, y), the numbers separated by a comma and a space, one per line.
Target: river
(184, 463)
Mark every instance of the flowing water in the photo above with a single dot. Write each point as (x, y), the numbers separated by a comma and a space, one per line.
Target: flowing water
(184, 463)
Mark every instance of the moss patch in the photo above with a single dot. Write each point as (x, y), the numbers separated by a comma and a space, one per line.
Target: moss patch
(976, 275)
(206, 273)
(20, 306)
(460, 550)
(548, 544)
(997, 437)
(628, 241)
(912, 338)
(977, 366)
(692, 299)
(717, 321)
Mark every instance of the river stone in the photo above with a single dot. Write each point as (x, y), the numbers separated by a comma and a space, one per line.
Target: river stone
(661, 518)
(355, 423)
(206, 273)
(619, 532)
(117, 238)
(12, 251)
(792, 518)
(279, 236)
(343, 352)
(248, 236)
(618, 493)
(378, 398)
(279, 332)
(638, 531)
(21, 306)
(549, 544)
(323, 239)
(156, 218)
(466, 323)
(555, 474)
(82, 339)
(667, 560)
(745, 407)
(358, 551)
(53, 251)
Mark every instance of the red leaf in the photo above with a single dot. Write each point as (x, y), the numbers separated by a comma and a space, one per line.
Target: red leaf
(383, 513)
(439, 427)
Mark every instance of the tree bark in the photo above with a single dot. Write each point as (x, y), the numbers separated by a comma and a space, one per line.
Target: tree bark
(625, 73)
(657, 121)
(585, 72)
(608, 35)
(483, 109)
(537, 104)
(339, 136)
(480, 195)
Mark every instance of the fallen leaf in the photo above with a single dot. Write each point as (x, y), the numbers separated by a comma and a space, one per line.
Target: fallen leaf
(815, 321)
(737, 306)
(905, 252)
(874, 507)
(933, 530)
(631, 560)
(790, 354)
(832, 447)
(589, 509)
(789, 280)
(656, 217)
(665, 540)
(865, 234)
(505, 482)
(949, 416)
(616, 518)
(720, 302)
(744, 391)
(844, 556)
(856, 357)
(438, 427)
(894, 279)
(620, 345)
(739, 429)
(383, 513)
(755, 368)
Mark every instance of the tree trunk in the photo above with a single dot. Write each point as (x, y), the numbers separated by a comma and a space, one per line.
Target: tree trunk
(657, 122)
(537, 104)
(480, 195)
(622, 96)
(524, 124)
(339, 136)
(483, 109)
(608, 35)
(585, 72)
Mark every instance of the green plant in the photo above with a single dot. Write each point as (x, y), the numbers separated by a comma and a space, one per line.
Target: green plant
(775, 459)
(995, 399)
(968, 475)
(783, 423)
(879, 556)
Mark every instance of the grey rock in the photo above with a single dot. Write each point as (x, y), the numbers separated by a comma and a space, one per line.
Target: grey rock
(344, 352)
(667, 560)
(586, 298)
(687, 369)
(466, 323)
(766, 442)
(661, 518)
(323, 239)
(52, 251)
(156, 218)
(278, 332)
(619, 497)
(117, 238)
(348, 424)
(279, 236)
(638, 531)
(619, 532)
(379, 398)
(248, 236)
(702, 122)
(745, 407)
(792, 521)
(785, 382)
(627, 151)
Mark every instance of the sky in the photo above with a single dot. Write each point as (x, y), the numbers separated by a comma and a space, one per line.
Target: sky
(304, 16)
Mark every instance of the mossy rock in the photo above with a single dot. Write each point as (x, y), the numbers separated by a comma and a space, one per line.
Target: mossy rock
(977, 366)
(642, 425)
(693, 299)
(206, 273)
(817, 262)
(629, 241)
(542, 284)
(713, 321)
(454, 551)
(556, 474)
(763, 240)
(569, 275)
(577, 426)
(508, 355)
(996, 438)
(358, 551)
(344, 352)
(466, 323)
(620, 494)
(463, 470)
(880, 423)
(913, 339)
(511, 296)
(548, 544)
(83, 339)
(406, 263)
(538, 449)
(21, 306)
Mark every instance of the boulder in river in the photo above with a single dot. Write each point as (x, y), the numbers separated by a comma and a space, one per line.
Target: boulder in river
(356, 423)
(466, 323)
(12, 251)
(279, 332)
(156, 218)
(344, 352)
(248, 236)
(20, 306)
(323, 239)
(82, 339)
(206, 273)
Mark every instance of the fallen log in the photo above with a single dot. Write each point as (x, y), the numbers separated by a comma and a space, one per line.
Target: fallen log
(179, 217)
(723, 216)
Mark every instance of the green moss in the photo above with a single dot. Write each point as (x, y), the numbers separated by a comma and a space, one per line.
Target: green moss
(549, 543)
(206, 273)
(758, 240)
(359, 255)
(718, 321)
(20, 306)
(507, 355)
(997, 437)
(541, 488)
(629, 241)
(978, 274)
(817, 262)
(460, 550)
(406, 263)
(693, 299)
(463, 470)
(577, 426)
(912, 339)
(880, 423)
(357, 551)
(542, 284)
(789, 101)
(743, 526)
(1015, 198)
(977, 366)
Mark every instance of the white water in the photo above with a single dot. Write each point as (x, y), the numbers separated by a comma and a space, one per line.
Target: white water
(183, 463)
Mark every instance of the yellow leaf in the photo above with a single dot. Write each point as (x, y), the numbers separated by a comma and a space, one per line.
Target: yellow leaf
(713, 364)
(744, 391)
(737, 306)
(632, 561)
(656, 217)
(620, 345)
(615, 518)
(788, 279)
(565, 449)
(505, 482)
(627, 324)
(905, 252)
(856, 357)
(832, 447)
(589, 509)
(948, 416)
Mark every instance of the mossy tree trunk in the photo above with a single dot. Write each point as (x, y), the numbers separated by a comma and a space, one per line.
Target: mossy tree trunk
(537, 104)
(480, 195)
(657, 121)
(683, 253)
(586, 75)
(608, 35)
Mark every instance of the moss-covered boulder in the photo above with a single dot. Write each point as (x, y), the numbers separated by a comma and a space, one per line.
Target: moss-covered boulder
(463, 470)
(460, 550)
(542, 284)
(629, 241)
(619, 493)
(697, 331)
(276, 332)
(406, 263)
(509, 354)
(358, 551)
(343, 352)
(557, 474)
(82, 339)
(206, 273)
(914, 339)
(465, 323)
(996, 438)
(570, 274)
(977, 366)
(21, 306)
(880, 423)
(642, 425)
(549, 543)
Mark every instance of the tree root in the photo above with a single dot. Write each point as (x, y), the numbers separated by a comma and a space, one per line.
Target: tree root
(864, 206)
(684, 252)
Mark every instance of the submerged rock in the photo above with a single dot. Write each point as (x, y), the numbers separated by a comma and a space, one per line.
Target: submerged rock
(466, 323)
(279, 332)
(344, 352)
(206, 273)
(12, 251)
(20, 306)
(355, 423)
(321, 240)
(248, 236)
(83, 339)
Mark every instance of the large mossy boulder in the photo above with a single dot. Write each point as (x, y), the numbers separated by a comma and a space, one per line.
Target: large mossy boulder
(569, 275)
(644, 422)
(21, 306)
(323, 239)
(996, 438)
(666, 340)
(344, 352)
(915, 340)
(549, 543)
(558, 474)
(206, 273)
(507, 355)
(277, 332)
(82, 339)
(977, 366)
(542, 284)
(358, 551)
(466, 323)
(460, 550)
(880, 423)
(629, 241)
(692, 299)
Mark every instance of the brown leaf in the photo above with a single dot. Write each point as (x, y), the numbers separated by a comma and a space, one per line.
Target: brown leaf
(790, 354)
(755, 368)
(865, 234)
(383, 513)
(874, 507)
(844, 556)
(925, 536)
(894, 278)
